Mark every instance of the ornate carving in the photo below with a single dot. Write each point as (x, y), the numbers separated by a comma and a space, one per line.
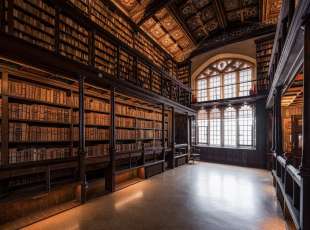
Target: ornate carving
(271, 10)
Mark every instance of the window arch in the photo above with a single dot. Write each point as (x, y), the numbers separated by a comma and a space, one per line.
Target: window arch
(225, 78)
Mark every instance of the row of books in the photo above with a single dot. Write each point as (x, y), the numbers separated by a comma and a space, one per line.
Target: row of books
(145, 134)
(21, 155)
(92, 104)
(34, 21)
(149, 49)
(38, 93)
(41, 7)
(148, 115)
(126, 63)
(73, 40)
(99, 150)
(110, 21)
(22, 132)
(105, 55)
(93, 118)
(145, 124)
(263, 59)
(33, 36)
(92, 134)
(37, 112)
(125, 134)
(144, 75)
(125, 122)
(121, 148)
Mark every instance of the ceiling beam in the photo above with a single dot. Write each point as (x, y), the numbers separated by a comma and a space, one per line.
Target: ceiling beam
(177, 17)
(221, 16)
(232, 36)
(152, 8)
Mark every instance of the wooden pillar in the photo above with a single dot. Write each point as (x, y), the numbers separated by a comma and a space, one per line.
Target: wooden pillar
(305, 162)
(188, 132)
(273, 130)
(163, 138)
(110, 175)
(82, 152)
(173, 138)
(278, 122)
(4, 157)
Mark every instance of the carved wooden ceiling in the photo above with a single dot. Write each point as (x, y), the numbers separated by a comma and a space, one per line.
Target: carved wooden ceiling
(189, 27)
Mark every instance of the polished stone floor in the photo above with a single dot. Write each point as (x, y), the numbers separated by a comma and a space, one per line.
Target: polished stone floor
(201, 196)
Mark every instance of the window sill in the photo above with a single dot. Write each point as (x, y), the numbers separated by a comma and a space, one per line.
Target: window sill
(226, 147)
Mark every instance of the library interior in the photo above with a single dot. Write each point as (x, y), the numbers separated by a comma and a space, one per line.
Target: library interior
(152, 114)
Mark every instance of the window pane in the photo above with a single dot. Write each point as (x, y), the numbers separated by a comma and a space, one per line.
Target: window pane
(202, 90)
(245, 82)
(202, 123)
(215, 127)
(230, 85)
(230, 127)
(246, 117)
(215, 90)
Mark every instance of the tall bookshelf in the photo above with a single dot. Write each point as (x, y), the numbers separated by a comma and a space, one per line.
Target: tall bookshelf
(263, 55)
(93, 33)
(40, 131)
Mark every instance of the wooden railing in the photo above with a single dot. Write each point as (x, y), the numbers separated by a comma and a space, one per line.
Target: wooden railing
(288, 185)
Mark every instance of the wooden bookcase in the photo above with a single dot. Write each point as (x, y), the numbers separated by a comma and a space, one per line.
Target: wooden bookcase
(263, 55)
(40, 139)
(98, 35)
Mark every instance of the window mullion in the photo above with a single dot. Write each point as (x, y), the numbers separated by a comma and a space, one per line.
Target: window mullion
(237, 123)
(222, 126)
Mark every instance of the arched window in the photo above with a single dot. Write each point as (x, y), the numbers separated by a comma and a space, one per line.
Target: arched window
(246, 121)
(230, 127)
(225, 78)
(215, 127)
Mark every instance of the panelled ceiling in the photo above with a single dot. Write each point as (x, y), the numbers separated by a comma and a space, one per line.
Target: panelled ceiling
(187, 27)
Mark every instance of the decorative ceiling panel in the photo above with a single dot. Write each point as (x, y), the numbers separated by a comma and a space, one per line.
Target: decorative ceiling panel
(161, 26)
(271, 11)
(133, 8)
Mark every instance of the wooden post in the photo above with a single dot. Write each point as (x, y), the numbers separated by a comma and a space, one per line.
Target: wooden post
(173, 138)
(110, 177)
(273, 147)
(278, 121)
(82, 152)
(305, 162)
(188, 128)
(163, 139)
(4, 158)
(5, 119)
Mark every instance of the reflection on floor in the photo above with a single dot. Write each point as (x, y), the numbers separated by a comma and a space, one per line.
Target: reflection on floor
(200, 196)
